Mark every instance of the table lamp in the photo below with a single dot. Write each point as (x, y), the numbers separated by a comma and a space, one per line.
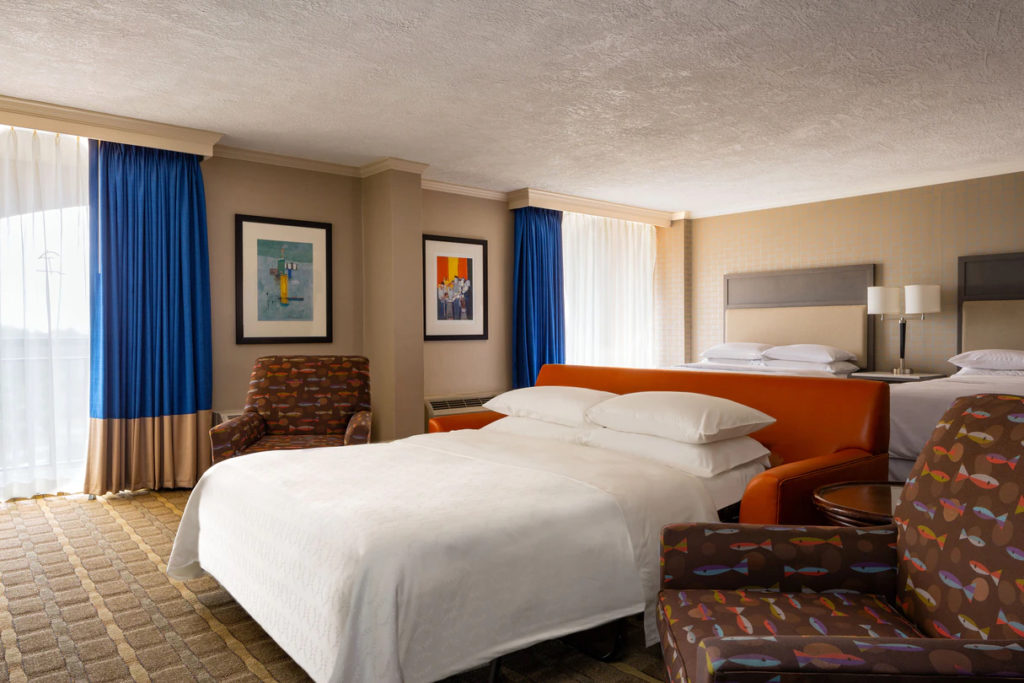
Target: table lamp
(918, 300)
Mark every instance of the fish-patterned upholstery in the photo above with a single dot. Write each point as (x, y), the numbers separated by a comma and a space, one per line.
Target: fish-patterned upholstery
(299, 402)
(939, 594)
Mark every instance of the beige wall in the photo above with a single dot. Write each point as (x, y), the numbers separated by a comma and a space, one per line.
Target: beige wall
(672, 277)
(469, 367)
(278, 192)
(393, 307)
(914, 235)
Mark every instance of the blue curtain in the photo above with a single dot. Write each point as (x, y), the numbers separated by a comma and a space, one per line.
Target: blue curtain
(538, 323)
(150, 350)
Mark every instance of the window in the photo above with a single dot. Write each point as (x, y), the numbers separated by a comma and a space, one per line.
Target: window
(608, 272)
(44, 312)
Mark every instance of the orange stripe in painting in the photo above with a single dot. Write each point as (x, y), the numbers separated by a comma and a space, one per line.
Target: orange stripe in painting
(442, 269)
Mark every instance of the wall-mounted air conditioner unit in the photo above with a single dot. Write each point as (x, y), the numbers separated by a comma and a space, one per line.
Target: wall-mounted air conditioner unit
(439, 406)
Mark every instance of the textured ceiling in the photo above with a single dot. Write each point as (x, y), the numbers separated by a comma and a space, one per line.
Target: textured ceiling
(710, 106)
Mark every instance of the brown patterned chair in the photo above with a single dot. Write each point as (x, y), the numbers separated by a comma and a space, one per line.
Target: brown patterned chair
(299, 402)
(936, 596)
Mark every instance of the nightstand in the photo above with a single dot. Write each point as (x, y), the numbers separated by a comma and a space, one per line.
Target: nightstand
(897, 379)
(859, 503)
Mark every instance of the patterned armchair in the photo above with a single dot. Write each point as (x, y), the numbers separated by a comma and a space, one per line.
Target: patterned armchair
(938, 595)
(299, 402)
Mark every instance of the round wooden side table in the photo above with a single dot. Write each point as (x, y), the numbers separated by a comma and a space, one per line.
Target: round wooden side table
(859, 503)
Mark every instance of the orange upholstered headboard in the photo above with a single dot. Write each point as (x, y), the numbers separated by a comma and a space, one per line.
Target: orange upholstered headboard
(815, 416)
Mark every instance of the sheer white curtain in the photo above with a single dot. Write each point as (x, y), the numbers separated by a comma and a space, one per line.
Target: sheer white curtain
(44, 312)
(608, 269)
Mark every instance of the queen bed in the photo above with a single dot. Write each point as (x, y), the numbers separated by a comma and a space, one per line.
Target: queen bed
(990, 315)
(416, 559)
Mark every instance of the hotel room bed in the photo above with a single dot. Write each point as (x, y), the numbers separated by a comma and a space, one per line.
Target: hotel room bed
(706, 366)
(503, 540)
(990, 315)
(916, 407)
(416, 559)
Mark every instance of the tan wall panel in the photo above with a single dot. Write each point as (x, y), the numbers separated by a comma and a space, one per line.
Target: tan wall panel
(915, 235)
(260, 189)
(671, 271)
(471, 367)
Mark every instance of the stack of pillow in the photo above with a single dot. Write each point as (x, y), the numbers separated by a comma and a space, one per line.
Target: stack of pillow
(788, 358)
(699, 434)
(990, 362)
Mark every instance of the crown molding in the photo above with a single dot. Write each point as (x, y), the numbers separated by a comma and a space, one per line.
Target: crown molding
(392, 164)
(106, 127)
(452, 188)
(680, 215)
(565, 202)
(225, 152)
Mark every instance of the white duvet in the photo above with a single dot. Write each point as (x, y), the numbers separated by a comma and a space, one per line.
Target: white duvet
(416, 559)
(916, 407)
(755, 368)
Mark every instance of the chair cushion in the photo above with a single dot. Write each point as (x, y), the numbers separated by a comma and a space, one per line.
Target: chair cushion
(687, 617)
(282, 442)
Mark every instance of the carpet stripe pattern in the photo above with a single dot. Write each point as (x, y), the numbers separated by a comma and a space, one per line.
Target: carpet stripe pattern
(84, 597)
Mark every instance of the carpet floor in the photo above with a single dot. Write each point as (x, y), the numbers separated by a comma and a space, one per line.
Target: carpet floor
(84, 597)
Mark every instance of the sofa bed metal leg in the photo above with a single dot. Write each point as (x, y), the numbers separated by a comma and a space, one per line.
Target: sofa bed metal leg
(618, 643)
(495, 673)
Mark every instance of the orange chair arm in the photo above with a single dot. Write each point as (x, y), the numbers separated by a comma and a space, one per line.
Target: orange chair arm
(784, 494)
(450, 423)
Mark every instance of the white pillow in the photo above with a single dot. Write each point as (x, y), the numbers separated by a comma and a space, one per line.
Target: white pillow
(561, 405)
(839, 367)
(736, 351)
(527, 426)
(700, 460)
(989, 373)
(810, 353)
(678, 415)
(990, 359)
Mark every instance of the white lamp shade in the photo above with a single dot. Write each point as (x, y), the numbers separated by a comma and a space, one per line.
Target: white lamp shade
(883, 300)
(923, 299)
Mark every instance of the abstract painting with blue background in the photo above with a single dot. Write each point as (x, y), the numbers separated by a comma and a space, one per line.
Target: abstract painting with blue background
(284, 280)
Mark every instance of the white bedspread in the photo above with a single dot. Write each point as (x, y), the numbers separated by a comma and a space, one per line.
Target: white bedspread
(916, 407)
(754, 368)
(416, 559)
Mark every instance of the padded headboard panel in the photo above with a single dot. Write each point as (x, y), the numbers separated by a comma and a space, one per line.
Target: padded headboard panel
(992, 325)
(845, 327)
(804, 306)
(990, 302)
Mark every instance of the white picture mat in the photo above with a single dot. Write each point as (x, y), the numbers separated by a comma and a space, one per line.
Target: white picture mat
(253, 326)
(431, 250)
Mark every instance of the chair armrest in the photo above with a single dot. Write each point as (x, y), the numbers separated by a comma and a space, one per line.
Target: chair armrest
(788, 559)
(722, 658)
(449, 423)
(784, 494)
(229, 438)
(358, 430)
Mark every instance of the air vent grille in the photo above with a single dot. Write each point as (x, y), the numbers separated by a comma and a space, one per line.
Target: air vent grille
(451, 405)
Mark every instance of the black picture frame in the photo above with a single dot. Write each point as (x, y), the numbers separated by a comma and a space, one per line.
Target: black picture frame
(248, 328)
(454, 326)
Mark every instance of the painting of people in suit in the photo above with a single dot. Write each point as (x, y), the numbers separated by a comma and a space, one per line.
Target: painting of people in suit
(454, 280)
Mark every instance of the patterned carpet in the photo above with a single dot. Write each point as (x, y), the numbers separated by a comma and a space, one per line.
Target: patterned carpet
(83, 596)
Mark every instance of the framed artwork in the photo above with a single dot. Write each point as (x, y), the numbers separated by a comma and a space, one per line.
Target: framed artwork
(454, 288)
(282, 280)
